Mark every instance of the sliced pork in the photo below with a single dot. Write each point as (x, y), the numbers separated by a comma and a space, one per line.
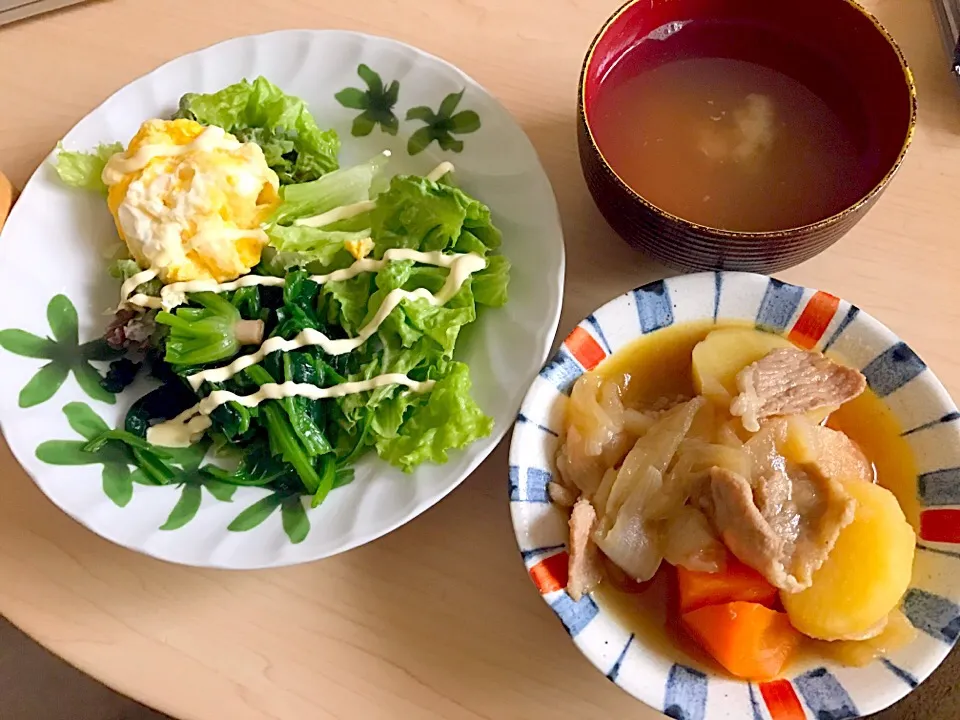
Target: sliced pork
(561, 495)
(791, 381)
(784, 526)
(584, 571)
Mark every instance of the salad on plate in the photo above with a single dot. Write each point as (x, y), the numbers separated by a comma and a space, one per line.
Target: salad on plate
(293, 315)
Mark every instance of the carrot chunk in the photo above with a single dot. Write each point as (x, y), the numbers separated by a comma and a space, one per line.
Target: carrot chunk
(750, 640)
(737, 582)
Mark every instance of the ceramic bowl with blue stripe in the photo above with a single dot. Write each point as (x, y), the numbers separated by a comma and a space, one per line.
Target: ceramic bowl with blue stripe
(811, 319)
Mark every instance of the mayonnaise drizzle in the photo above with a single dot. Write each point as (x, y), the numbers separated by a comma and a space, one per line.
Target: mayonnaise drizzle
(338, 213)
(120, 164)
(188, 426)
(461, 267)
(135, 281)
(439, 171)
(348, 211)
(174, 294)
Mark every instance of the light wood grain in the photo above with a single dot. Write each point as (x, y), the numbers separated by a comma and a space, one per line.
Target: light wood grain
(437, 620)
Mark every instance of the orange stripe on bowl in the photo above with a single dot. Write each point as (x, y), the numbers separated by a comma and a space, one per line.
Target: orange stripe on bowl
(941, 525)
(814, 320)
(781, 700)
(550, 574)
(584, 348)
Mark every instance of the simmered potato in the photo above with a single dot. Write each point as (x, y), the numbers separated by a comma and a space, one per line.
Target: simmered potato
(723, 353)
(830, 452)
(865, 574)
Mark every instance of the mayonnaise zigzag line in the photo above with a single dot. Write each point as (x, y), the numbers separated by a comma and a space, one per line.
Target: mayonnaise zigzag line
(461, 267)
(189, 425)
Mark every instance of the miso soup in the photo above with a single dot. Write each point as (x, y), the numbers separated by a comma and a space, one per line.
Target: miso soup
(729, 126)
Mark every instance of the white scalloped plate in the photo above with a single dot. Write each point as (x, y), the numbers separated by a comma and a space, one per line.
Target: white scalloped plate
(55, 237)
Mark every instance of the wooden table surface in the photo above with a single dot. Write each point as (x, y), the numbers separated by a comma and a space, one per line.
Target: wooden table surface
(438, 619)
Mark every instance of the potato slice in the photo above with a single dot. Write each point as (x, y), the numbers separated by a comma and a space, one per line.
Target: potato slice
(723, 353)
(829, 451)
(865, 575)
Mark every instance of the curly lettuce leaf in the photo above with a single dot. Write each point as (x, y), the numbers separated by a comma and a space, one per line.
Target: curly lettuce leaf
(83, 169)
(447, 418)
(414, 319)
(354, 303)
(299, 246)
(342, 187)
(416, 339)
(417, 360)
(490, 284)
(420, 214)
(295, 147)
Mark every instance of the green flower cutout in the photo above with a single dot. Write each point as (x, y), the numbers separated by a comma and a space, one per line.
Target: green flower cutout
(126, 462)
(375, 102)
(65, 354)
(116, 459)
(442, 125)
(293, 515)
(191, 483)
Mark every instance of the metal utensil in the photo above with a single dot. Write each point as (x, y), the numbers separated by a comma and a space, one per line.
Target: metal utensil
(948, 16)
(11, 10)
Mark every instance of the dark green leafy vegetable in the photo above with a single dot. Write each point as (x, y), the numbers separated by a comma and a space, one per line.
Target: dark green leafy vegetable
(127, 438)
(283, 439)
(162, 403)
(121, 373)
(257, 467)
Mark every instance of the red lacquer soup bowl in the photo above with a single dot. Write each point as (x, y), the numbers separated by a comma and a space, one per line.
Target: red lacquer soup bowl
(832, 48)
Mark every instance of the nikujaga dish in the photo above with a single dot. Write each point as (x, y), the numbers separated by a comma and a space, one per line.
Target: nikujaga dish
(742, 469)
(737, 496)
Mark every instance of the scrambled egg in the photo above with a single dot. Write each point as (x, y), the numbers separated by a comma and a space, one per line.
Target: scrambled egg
(359, 248)
(188, 200)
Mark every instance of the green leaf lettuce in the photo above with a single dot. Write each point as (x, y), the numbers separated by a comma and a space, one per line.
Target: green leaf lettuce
(83, 169)
(294, 146)
(445, 419)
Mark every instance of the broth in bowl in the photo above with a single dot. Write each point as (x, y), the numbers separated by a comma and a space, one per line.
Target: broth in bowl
(713, 124)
